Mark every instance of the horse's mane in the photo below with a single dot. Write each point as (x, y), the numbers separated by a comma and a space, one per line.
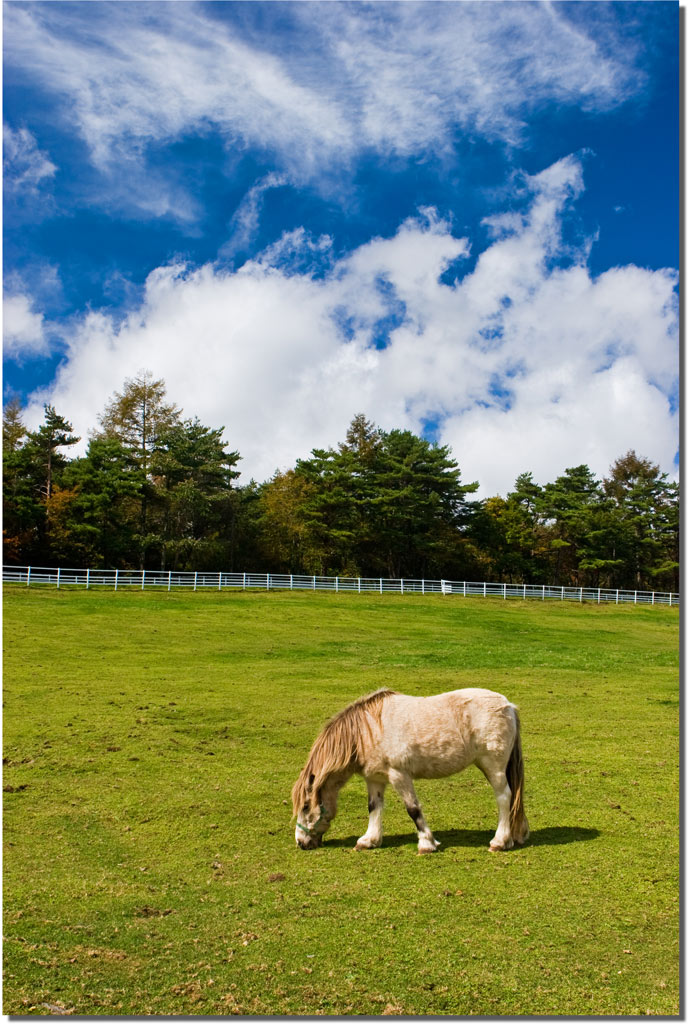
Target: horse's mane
(338, 747)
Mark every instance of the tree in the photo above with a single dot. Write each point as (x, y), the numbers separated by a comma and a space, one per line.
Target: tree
(22, 509)
(646, 504)
(33, 462)
(389, 503)
(288, 538)
(13, 428)
(95, 521)
(421, 504)
(194, 473)
(43, 446)
(137, 417)
(568, 506)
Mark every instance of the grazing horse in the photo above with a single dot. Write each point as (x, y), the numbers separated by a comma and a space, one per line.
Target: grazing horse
(388, 737)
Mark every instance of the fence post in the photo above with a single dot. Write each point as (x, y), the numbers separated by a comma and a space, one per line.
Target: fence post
(88, 577)
(219, 581)
(562, 593)
(143, 579)
(581, 595)
(267, 582)
(291, 581)
(505, 591)
(635, 597)
(116, 578)
(195, 580)
(58, 577)
(359, 584)
(670, 597)
(422, 586)
(598, 595)
(484, 589)
(402, 586)
(169, 581)
(653, 597)
(381, 584)
(543, 591)
(28, 575)
(336, 584)
(244, 582)
(314, 583)
(617, 597)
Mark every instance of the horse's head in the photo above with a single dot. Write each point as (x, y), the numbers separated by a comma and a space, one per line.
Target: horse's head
(312, 821)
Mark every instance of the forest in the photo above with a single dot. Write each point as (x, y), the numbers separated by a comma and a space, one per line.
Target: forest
(159, 490)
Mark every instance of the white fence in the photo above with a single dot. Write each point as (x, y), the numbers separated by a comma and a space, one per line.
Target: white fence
(145, 579)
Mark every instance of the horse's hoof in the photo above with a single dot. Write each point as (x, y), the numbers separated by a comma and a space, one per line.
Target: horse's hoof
(366, 846)
(427, 849)
(500, 847)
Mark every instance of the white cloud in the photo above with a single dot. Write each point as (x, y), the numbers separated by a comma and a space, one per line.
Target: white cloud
(135, 74)
(415, 70)
(524, 364)
(246, 219)
(22, 329)
(25, 167)
(395, 78)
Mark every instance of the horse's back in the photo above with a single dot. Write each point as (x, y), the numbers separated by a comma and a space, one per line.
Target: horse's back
(443, 734)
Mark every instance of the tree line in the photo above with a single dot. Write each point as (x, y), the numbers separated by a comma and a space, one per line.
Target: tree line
(158, 490)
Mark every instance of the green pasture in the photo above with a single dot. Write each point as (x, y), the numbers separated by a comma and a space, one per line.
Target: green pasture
(150, 744)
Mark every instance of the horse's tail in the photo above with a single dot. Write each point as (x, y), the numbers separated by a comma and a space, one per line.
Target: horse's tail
(514, 776)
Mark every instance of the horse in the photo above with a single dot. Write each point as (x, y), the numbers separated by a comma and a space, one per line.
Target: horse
(389, 737)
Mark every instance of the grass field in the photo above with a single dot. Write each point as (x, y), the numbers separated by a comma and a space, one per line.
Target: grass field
(151, 741)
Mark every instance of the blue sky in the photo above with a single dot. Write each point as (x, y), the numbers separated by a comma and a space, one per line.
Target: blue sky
(460, 218)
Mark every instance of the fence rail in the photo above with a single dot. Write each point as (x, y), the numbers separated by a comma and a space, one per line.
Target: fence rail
(144, 579)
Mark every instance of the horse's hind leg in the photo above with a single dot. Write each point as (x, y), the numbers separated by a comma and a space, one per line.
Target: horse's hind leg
(497, 778)
(376, 800)
(403, 784)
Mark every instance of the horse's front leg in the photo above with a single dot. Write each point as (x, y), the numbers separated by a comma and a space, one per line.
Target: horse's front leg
(403, 784)
(376, 799)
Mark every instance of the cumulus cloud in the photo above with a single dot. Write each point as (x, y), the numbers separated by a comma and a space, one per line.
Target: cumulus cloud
(23, 330)
(524, 364)
(396, 79)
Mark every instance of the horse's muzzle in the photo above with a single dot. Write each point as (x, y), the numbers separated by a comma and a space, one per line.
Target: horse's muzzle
(308, 842)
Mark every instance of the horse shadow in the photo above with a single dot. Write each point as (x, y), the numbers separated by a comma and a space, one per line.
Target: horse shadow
(554, 835)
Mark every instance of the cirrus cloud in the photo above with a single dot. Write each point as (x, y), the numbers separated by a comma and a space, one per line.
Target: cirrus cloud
(397, 80)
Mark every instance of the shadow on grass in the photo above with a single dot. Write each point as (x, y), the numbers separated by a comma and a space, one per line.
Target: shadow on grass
(556, 835)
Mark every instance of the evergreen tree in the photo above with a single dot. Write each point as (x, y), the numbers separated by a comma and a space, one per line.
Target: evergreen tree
(22, 508)
(646, 503)
(194, 473)
(95, 520)
(43, 447)
(33, 462)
